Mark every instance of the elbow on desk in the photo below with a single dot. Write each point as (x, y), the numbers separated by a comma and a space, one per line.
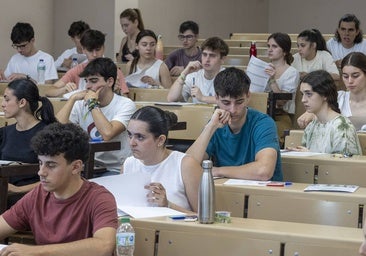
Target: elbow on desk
(265, 173)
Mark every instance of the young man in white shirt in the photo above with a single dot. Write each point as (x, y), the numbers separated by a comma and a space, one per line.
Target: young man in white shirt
(196, 80)
(24, 63)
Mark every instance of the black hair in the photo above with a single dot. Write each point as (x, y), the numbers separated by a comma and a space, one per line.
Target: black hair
(284, 41)
(216, 44)
(323, 84)
(22, 32)
(77, 28)
(132, 15)
(92, 39)
(189, 25)
(28, 90)
(159, 121)
(104, 67)
(139, 36)
(350, 18)
(314, 36)
(68, 139)
(232, 82)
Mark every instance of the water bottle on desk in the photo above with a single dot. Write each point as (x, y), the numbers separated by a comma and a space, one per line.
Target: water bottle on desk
(206, 196)
(253, 49)
(74, 62)
(125, 238)
(159, 51)
(41, 70)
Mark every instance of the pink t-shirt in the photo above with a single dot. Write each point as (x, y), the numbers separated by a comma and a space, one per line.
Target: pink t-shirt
(73, 76)
(60, 221)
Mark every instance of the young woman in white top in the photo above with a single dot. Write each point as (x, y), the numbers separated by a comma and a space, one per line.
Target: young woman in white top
(283, 77)
(132, 24)
(175, 176)
(313, 54)
(145, 70)
(330, 132)
(352, 102)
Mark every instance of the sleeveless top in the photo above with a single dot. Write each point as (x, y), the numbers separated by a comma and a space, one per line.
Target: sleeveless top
(126, 51)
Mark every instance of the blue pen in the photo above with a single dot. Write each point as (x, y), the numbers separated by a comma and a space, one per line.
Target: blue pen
(288, 183)
(178, 217)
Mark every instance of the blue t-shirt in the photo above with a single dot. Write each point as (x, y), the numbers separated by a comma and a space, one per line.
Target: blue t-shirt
(259, 132)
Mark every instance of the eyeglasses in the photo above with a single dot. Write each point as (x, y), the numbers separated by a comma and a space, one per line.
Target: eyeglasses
(19, 46)
(188, 37)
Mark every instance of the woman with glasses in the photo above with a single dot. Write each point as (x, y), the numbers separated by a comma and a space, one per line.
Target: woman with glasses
(132, 24)
(179, 59)
(146, 71)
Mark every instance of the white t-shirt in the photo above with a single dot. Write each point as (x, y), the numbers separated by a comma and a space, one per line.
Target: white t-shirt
(167, 172)
(339, 52)
(28, 65)
(119, 109)
(343, 103)
(206, 86)
(323, 60)
(288, 82)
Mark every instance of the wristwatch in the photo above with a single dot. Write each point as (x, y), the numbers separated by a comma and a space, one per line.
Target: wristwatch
(27, 77)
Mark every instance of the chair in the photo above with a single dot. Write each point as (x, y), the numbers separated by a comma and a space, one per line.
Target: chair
(259, 101)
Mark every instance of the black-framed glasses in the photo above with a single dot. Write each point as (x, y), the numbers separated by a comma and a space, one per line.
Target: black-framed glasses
(19, 46)
(188, 37)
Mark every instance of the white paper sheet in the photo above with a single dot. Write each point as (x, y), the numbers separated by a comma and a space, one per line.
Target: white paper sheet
(147, 212)
(258, 77)
(296, 153)
(331, 188)
(237, 182)
(2, 246)
(128, 189)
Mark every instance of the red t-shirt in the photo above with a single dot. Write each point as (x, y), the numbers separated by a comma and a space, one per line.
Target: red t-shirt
(60, 221)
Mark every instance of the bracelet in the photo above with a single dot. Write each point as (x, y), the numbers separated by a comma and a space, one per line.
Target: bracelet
(92, 104)
(183, 77)
(271, 81)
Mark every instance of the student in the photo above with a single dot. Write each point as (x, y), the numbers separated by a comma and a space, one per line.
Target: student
(197, 79)
(21, 101)
(67, 214)
(330, 132)
(175, 175)
(352, 102)
(92, 42)
(132, 24)
(283, 77)
(145, 70)
(76, 30)
(313, 54)
(242, 142)
(24, 63)
(101, 112)
(179, 59)
(347, 38)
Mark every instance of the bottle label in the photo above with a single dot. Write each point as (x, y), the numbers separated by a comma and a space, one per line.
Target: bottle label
(125, 239)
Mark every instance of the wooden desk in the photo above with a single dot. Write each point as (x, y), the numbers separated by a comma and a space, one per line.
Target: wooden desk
(165, 237)
(153, 95)
(196, 117)
(325, 169)
(12, 171)
(272, 101)
(98, 147)
(291, 203)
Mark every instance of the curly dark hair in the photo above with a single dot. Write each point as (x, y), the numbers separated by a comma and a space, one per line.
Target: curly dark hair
(68, 139)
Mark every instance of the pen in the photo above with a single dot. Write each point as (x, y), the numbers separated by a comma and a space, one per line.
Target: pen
(178, 217)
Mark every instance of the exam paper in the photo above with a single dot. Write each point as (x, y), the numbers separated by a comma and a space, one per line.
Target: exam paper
(237, 182)
(297, 153)
(258, 77)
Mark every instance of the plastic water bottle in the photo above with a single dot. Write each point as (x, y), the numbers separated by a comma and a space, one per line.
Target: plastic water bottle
(159, 51)
(206, 196)
(125, 238)
(253, 49)
(74, 62)
(41, 70)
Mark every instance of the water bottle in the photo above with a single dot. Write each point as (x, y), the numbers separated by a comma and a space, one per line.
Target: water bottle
(41, 70)
(74, 62)
(253, 49)
(159, 51)
(125, 238)
(206, 196)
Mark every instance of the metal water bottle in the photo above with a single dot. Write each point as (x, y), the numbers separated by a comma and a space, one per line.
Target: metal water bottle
(206, 196)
